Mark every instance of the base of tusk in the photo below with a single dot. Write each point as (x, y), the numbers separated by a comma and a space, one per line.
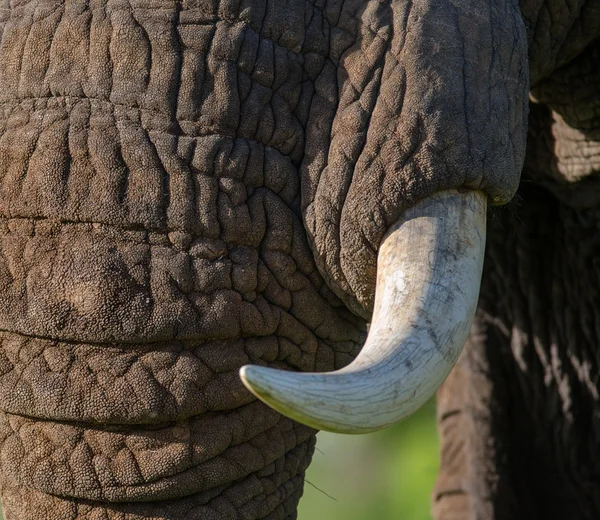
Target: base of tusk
(428, 275)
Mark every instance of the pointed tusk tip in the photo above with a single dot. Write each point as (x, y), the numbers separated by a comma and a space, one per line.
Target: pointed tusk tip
(255, 379)
(246, 375)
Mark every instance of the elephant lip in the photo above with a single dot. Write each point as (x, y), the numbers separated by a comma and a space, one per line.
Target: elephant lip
(177, 432)
(142, 463)
(120, 384)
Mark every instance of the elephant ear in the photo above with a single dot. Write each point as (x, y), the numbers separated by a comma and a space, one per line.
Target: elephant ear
(417, 97)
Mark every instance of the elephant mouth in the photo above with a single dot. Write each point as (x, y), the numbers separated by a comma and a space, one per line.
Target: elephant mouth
(198, 458)
(145, 423)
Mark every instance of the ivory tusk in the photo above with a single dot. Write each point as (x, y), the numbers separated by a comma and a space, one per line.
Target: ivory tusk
(428, 277)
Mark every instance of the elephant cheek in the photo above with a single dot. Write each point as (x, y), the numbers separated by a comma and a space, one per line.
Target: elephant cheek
(430, 96)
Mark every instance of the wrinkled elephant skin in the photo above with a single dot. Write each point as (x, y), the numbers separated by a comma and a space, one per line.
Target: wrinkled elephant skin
(190, 186)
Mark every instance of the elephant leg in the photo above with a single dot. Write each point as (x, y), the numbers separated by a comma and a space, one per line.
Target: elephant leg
(519, 415)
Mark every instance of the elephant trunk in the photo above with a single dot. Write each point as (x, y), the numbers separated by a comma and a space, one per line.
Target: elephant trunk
(428, 277)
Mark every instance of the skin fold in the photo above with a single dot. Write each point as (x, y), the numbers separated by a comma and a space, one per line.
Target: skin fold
(188, 187)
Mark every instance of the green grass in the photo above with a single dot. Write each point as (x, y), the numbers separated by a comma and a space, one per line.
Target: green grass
(384, 475)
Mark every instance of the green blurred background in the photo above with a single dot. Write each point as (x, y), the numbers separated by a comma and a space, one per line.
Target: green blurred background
(386, 475)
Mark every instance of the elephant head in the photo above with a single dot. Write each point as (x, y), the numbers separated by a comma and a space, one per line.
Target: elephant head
(187, 187)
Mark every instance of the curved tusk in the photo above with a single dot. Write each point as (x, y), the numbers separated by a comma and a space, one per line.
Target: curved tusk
(428, 276)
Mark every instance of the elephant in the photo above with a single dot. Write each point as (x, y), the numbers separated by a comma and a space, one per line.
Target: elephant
(197, 187)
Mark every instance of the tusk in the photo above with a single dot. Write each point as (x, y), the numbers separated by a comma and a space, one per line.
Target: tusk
(428, 276)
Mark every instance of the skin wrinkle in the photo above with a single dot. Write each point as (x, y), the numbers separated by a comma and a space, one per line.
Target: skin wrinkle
(200, 464)
(202, 506)
(373, 94)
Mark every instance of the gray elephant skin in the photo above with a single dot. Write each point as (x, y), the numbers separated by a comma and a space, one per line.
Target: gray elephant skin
(190, 186)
